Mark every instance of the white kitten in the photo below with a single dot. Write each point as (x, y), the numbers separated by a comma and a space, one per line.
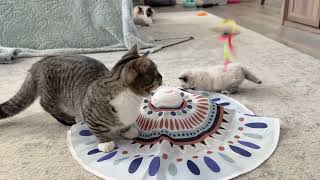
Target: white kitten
(215, 79)
(143, 15)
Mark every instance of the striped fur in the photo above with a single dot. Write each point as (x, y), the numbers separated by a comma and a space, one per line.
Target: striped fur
(72, 87)
(25, 96)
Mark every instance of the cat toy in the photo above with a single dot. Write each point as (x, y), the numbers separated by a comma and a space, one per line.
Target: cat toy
(228, 28)
(202, 13)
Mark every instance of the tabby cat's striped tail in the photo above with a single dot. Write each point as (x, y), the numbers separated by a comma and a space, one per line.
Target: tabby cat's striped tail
(24, 98)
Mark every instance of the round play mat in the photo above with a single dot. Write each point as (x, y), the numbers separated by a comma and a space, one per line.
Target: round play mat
(207, 136)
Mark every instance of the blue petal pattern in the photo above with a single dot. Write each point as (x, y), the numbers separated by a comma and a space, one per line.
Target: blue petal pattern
(85, 133)
(215, 99)
(257, 125)
(108, 156)
(154, 166)
(93, 151)
(224, 104)
(212, 165)
(240, 151)
(193, 167)
(135, 165)
(249, 144)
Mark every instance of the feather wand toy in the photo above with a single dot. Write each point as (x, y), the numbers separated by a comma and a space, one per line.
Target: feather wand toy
(228, 29)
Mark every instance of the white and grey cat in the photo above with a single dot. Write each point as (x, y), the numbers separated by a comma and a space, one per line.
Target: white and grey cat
(143, 15)
(216, 79)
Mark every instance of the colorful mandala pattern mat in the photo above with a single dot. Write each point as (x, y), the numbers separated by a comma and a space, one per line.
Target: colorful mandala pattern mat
(210, 136)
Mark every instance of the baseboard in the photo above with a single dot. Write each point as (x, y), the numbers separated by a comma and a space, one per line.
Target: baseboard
(302, 27)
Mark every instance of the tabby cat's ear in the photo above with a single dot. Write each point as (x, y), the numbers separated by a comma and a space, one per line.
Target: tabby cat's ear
(145, 55)
(131, 54)
(133, 50)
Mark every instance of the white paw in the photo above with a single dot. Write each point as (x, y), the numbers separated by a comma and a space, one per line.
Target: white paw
(225, 92)
(131, 133)
(106, 147)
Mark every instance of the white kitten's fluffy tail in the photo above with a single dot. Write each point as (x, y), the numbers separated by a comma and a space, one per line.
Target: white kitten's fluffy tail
(249, 76)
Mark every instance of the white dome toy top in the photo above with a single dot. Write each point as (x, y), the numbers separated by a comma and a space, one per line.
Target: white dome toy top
(166, 97)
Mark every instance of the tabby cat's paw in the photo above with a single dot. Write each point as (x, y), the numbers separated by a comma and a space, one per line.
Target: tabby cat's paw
(131, 133)
(107, 146)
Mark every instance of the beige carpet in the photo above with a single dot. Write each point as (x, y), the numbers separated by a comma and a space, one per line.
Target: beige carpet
(34, 146)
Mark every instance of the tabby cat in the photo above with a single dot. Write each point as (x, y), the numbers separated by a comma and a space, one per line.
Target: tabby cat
(72, 87)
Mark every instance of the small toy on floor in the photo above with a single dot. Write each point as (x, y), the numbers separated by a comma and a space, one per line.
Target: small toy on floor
(202, 13)
(143, 15)
(216, 80)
